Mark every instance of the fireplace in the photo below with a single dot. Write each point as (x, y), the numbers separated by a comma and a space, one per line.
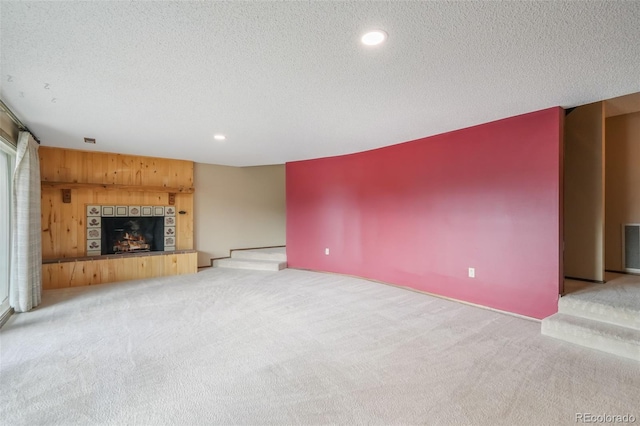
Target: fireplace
(130, 229)
(132, 234)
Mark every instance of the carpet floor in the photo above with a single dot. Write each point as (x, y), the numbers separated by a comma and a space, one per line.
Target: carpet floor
(293, 347)
(617, 301)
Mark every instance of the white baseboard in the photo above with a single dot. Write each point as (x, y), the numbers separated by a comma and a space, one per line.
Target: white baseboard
(5, 316)
(513, 314)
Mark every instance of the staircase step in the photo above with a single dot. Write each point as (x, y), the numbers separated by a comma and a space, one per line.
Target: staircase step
(610, 338)
(258, 265)
(603, 305)
(276, 253)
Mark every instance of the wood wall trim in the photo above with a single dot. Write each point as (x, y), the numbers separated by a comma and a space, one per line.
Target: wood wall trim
(255, 248)
(615, 271)
(585, 280)
(239, 249)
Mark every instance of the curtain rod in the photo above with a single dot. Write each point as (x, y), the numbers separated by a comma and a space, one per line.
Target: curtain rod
(16, 120)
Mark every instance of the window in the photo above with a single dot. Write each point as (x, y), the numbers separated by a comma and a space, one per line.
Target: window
(7, 159)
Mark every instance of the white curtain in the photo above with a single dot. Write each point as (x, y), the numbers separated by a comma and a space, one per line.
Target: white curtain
(26, 250)
(6, 171)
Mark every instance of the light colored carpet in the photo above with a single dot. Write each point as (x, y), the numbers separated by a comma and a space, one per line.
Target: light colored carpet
(293, 347)
(267, 259)
(616, 302)
(606, 337)
(605, 317)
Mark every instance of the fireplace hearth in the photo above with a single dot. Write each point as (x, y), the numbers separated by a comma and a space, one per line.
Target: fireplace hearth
(130, 229)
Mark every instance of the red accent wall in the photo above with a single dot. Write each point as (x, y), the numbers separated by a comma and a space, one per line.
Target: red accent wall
(420, 213)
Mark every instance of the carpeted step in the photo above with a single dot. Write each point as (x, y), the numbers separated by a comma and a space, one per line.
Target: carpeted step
(608, 305)
(614, 339)
(276, 253)
(257, 265)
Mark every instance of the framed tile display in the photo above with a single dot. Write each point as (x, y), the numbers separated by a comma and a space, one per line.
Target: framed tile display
(95, 225)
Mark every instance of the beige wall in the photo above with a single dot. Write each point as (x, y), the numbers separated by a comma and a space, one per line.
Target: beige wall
(238, 207)
(622, 182)
(584, 193)
(8, 128)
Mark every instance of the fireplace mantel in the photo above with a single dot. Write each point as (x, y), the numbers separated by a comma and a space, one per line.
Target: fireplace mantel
(68, 186)
(114, 187)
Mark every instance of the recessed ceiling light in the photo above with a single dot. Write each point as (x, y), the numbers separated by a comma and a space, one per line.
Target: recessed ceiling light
(373, 38)
(219, 137)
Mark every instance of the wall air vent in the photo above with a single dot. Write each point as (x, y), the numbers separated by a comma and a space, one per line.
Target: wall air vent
(89, 140)
(631, 247)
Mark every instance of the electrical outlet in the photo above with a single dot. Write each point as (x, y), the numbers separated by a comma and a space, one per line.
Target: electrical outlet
(326, 251)
(472, 272)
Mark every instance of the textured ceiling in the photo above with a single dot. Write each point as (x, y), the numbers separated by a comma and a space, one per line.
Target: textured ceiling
(289, 80)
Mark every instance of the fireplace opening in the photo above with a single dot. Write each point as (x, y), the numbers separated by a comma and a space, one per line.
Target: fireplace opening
(132, 234)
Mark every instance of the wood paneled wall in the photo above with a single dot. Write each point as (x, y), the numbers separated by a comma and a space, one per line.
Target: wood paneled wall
(67, 165)
(90, 272)
(63, 225)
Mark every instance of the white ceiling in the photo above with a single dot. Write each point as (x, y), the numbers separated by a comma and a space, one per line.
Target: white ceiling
(289, 80)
